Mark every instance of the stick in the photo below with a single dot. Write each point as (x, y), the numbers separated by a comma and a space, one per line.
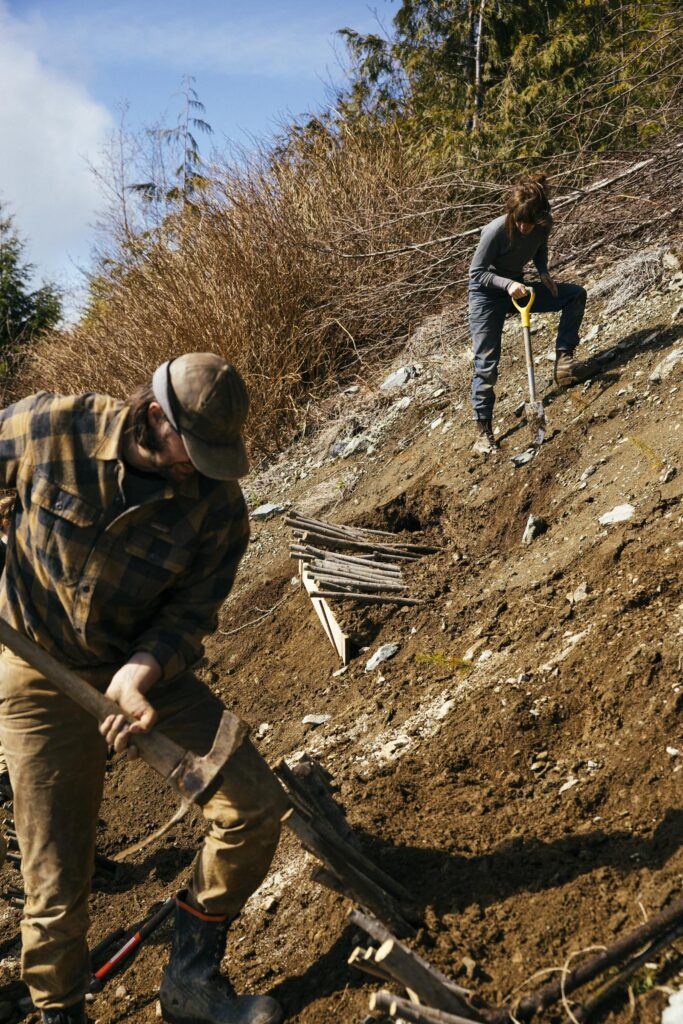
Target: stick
(364, 962)
(551, 993)
(612, 986)
(331, 565)
(341, 857)
(376, 902)
(413, 973)
(335, 541)
(365, 598)
(397, 1007)
(361, 529)
(310, 789)
(380, 934)
(335, 580)
(304, 550)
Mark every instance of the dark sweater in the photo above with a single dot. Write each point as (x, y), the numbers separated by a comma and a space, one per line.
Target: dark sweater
(499, 261)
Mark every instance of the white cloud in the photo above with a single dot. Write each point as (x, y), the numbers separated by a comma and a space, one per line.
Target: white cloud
(49, 128)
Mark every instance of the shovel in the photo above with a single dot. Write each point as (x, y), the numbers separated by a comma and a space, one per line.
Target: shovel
(533, 409)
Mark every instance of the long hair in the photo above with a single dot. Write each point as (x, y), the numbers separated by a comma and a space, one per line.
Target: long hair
(528, 202)
(138, 418)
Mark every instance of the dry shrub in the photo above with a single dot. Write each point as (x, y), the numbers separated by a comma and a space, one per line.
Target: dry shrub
(269, 270)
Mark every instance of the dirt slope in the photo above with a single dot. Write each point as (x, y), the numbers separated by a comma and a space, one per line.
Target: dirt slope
(531, 797)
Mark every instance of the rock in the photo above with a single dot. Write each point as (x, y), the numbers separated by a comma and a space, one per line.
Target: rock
(352, 389)
(121, 992)
(569, 784)
(667, 474)
(263, 729)
(402, 403)
(267, 510)
(619, 514)
(673, 751)
(664, 369)
(399, 378)
(354, 445)
(315, 720)
(673, 1013)
(592, 334)
(272, 903)
(523, 457)
(580, 594)
(382, 653)
(485, 655)
(678, 311)
(671, 261)
(470, 966)
(439, 392)
(436, 423)
(535, 526)
(340, 671)
(588, 471)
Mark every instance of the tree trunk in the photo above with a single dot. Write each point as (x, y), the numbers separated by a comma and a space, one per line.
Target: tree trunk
(477, 66)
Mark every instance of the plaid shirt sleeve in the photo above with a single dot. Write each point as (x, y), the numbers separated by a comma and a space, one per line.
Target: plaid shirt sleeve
(191, 610)
(15, 432)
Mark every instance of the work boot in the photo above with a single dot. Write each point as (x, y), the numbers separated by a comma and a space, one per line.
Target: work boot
(486, 442)
(67, 1015)
(193, 990)
(567, 370)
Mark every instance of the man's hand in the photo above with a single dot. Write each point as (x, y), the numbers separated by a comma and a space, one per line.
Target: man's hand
(517, 290)
(550, 284)
(127, 688)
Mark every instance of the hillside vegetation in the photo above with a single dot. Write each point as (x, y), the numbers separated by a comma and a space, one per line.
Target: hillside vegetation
(308, 262)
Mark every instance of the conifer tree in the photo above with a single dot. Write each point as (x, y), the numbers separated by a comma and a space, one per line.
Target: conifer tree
(24, 314)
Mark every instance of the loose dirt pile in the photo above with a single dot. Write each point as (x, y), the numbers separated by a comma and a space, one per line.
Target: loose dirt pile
(518, 764)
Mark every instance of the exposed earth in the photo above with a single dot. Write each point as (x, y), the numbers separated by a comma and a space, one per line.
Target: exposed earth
(519, 763)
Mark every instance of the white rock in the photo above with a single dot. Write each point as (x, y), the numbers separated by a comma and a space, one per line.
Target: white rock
(588, 471)
(399, 378)
(340, 671)
(523, 457)
(121, 992)
(402, 403)
(593, 333)
(315, 719)
(263, 729)
(436, 423)
(569, 784)
(534, 527)
(485, 655)
(619, 514)
(439, 392)
(667, 474)
(673, 751)
(580, 594)
(267, 510)
(671, 261)
(664, 369)
(382, 653)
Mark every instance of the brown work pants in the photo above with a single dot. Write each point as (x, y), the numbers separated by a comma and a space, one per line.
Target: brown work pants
(56, 759)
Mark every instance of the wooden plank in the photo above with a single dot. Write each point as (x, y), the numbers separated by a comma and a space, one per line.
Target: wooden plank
(414, 973)
(340, 640)
(394, 1006)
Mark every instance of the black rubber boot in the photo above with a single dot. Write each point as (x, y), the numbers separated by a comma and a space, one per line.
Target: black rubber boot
(193, 990)
(67, 1015)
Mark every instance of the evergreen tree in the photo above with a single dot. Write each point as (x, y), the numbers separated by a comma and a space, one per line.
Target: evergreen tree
(24, 314)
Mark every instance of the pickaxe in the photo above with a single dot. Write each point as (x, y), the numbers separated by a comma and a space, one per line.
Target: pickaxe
(195, 778)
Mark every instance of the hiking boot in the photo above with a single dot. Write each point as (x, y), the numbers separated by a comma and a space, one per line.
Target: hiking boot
(486, 442)
(193, 990)
(567, 370)
(67, 1015)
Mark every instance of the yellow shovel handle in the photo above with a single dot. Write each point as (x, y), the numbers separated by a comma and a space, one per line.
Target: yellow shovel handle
(526, 310)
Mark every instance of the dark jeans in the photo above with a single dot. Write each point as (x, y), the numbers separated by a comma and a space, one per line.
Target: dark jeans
(487, 312)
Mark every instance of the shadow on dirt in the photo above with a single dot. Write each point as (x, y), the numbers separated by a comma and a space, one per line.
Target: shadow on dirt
(450, 883)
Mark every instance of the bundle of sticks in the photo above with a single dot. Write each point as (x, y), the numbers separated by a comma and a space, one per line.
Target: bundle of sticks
(320, 824)
(371, 575)
(433, 998)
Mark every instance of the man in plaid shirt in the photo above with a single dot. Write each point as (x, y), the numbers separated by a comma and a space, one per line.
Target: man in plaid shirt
(128, 529)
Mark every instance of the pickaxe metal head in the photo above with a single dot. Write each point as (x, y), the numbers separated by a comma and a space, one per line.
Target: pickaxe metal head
(197, 778)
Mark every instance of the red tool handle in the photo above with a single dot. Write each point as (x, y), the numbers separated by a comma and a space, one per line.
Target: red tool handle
(100, 976)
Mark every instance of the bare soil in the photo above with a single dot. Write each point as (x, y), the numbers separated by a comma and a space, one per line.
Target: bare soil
(453, 758)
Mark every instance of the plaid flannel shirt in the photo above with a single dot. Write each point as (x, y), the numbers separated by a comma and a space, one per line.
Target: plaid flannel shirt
(90, 580)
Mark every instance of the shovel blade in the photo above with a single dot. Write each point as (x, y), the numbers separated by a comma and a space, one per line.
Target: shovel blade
(535, 416)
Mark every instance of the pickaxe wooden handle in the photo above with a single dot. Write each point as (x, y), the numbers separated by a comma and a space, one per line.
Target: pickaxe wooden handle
(195, 778)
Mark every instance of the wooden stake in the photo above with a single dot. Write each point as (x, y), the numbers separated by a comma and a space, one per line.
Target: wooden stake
(366, 598)
(397, 1007)
(376, 903)
(414, 973)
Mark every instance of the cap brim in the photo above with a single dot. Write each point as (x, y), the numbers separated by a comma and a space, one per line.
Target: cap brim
(218, 462)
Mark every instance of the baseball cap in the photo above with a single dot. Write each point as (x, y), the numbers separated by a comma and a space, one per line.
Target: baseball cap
(206, 401)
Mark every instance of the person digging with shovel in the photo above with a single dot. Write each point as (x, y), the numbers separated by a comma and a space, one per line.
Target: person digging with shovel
(128, 529)
(496, 278)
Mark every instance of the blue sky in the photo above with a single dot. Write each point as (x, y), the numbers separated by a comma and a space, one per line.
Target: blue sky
(67, 66)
